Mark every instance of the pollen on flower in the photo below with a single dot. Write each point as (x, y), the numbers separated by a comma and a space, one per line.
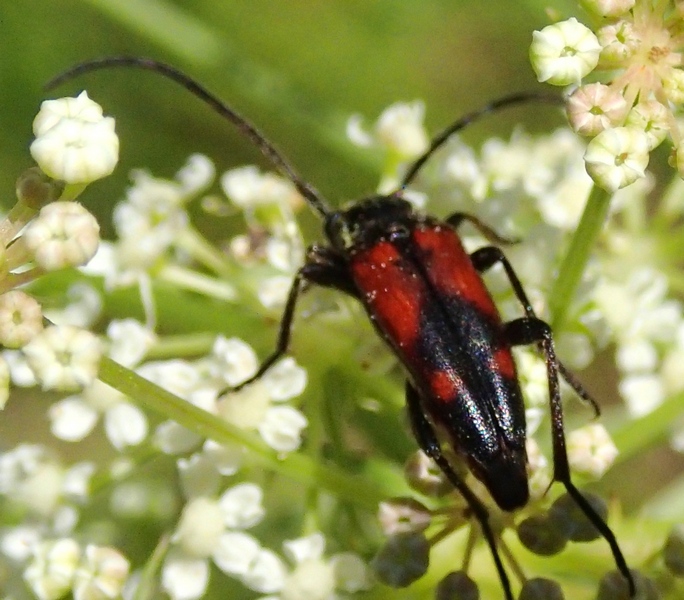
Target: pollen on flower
(74, 142)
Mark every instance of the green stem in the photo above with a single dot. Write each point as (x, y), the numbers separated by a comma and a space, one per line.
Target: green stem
(574, 263)
(298, 467)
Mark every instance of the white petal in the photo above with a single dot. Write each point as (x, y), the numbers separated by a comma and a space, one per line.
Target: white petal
(285, 380)
(306, 548)
(282, 428)
(266, 574)
(241, 506)
(198, 476)
(185, 578)
(226, 458)
(235, 552)
(126, 425)
(71, 419)
(172, 438)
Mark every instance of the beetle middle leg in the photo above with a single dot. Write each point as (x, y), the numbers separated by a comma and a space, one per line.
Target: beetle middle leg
(427, 440)
(532, 330)
(487, 257)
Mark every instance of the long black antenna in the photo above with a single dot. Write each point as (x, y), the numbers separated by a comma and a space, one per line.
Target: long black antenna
(313, 197)
(439, 140)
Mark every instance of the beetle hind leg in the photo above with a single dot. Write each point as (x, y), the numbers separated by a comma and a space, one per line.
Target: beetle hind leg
(427, 440)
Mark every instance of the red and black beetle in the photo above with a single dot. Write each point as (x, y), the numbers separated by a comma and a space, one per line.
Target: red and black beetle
(425, 297)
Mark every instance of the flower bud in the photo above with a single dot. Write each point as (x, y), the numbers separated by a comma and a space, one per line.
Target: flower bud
(617, 157)
(74, 142)
(564, 53)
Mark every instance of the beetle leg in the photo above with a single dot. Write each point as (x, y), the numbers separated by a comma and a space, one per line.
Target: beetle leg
(487, 257)
(457, 218)
(323, 267)
(530, 330)
(427, 440)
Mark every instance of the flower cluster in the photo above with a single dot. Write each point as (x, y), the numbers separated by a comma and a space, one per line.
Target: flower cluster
(631, 109)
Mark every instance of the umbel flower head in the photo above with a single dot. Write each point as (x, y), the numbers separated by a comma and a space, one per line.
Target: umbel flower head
(638, 46)
(47, 231)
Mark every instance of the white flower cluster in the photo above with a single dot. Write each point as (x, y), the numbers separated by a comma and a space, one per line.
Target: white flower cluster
(639, 46)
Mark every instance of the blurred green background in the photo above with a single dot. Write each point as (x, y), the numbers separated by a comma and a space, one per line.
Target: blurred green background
(297, 69)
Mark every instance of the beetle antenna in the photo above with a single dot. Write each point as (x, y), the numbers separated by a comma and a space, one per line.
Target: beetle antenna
(439, 140)
(313, 197)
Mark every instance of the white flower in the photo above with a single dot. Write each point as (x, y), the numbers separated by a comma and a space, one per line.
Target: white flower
(617, 157)
(236, 552)
(312, 577)
(618, 41)
(595, 107)
(18, 542)
(74, 417)
(234, 360)
(64, 234)
(21, 318)
(247, 188)
(538, 469)
(642, 393)
(20, 372)
(197, 174)
(609, 8)
(64, 357)
(51, 571)
(273, 292)
(282, 428)
(198, 475)
(399, 130)
(183, 577)
(101, 575)
(205, 531)
(199, 528)
(651, 117)
(83, 309)
(130, 341)
(564, 53)
(285, 380)
(74, 142)
(591, 450)
(241, 506)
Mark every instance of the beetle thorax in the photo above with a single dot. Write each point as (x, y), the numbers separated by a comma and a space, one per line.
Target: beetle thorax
(369, 220)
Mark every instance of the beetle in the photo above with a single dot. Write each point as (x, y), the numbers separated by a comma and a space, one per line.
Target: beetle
(425, 297)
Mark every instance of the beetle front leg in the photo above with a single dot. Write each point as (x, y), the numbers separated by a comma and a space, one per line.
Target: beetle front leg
(323, 267)
(425, 435)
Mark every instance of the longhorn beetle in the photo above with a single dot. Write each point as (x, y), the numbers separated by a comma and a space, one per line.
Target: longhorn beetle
(426, 298)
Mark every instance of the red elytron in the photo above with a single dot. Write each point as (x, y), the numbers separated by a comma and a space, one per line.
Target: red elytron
(424, 294)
